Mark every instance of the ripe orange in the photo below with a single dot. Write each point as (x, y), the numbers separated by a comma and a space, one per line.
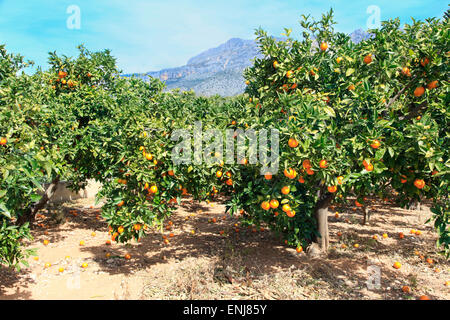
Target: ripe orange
(275, 64)
(286, 207)
(323, 164)
(153, 189)
(148, 156)
(229, 182)
(376, 144)
(268, 176)
(358, 204)
(48, 265)
(171, 173)
(274, 203)
(301, 180)
(289, 74)
(339, 234)
(62, 74)
(265, 205)
(419, 183)
(290, 213)
(292, 143)
(351, 87)
(332, 189)
(340, 179)
(219, 174)
(429, 261)
(61, 270)
(397, 265)
(299, 249)
(424, 297)
(323, 46)
(418, 233)
(82, 243)
(290, 173)
(285, 190)
(406, 71)
(385, 235)
(137, 227)
(108, 242)
(401, 235)
(406, 289)
(403, 179)
(120, 229)
(368, 58)
(84, 265)
(369, 167)
(356, 245)
(46, 242)
(121, 203)
(339, 59)
(3, 141)
(419, 91)
(127, 256)
(306, 164)
(309, 171)
(432, 85)
(424, 62)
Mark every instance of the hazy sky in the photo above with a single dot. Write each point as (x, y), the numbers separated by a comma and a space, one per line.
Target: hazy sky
(151, 35)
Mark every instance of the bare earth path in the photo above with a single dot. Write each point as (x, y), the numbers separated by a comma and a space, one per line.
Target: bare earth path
(241, 263)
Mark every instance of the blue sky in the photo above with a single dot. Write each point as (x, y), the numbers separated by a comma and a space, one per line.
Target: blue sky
(148, 35)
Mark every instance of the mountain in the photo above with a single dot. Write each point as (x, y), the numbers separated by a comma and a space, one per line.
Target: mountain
(217, 70)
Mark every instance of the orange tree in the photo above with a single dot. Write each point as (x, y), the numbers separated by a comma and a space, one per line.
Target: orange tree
(354, 119)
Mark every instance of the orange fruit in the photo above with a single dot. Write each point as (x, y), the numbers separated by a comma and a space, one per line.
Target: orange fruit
(385, 235)
(375, 237)
(84, 265)
(309, 171)
(339, 59)
(48, 265)
(268, 176)
(424, 62)
(376, 144)
(286, 207)
(301, 180)
(397, 265)
(229, 182)
(323, 164)
(418, 233)
(137, 227)
(3, 141)
(121, 203)
(46, 242)
(275, 64)
(368, 58)
(120, 229)
(274, 203)
(401, 235)
(424, 297)
(323, 46)
(62, 74)
(299, 249)
(108, 242)
(127, 256)
(332, 189)
(306, 164)
(265, 205)
(340, 179)
(356, 245)
(148, 156)
(406, 71)
(351, 87)
(290, 213)
(285, 190)
(61, 270)
(406, 289)
(403, 179)
(219, 174)
(290, 173)
(292, 143)
(289, 74)
(419, 183)
(419, 91)
(153, 189)
(339, 234)
(81, 243)
(170, 173)
(358, 204)
(432, 85)
(369, 167)
(429, 261)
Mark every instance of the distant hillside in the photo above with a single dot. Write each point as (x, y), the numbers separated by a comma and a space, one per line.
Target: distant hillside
(217, 70)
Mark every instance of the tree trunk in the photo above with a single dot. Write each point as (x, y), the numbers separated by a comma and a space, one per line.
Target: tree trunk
(366, 214)
(31, 212)
(321, 216)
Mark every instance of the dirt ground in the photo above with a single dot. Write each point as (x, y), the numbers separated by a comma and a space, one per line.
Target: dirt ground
(202, 262)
